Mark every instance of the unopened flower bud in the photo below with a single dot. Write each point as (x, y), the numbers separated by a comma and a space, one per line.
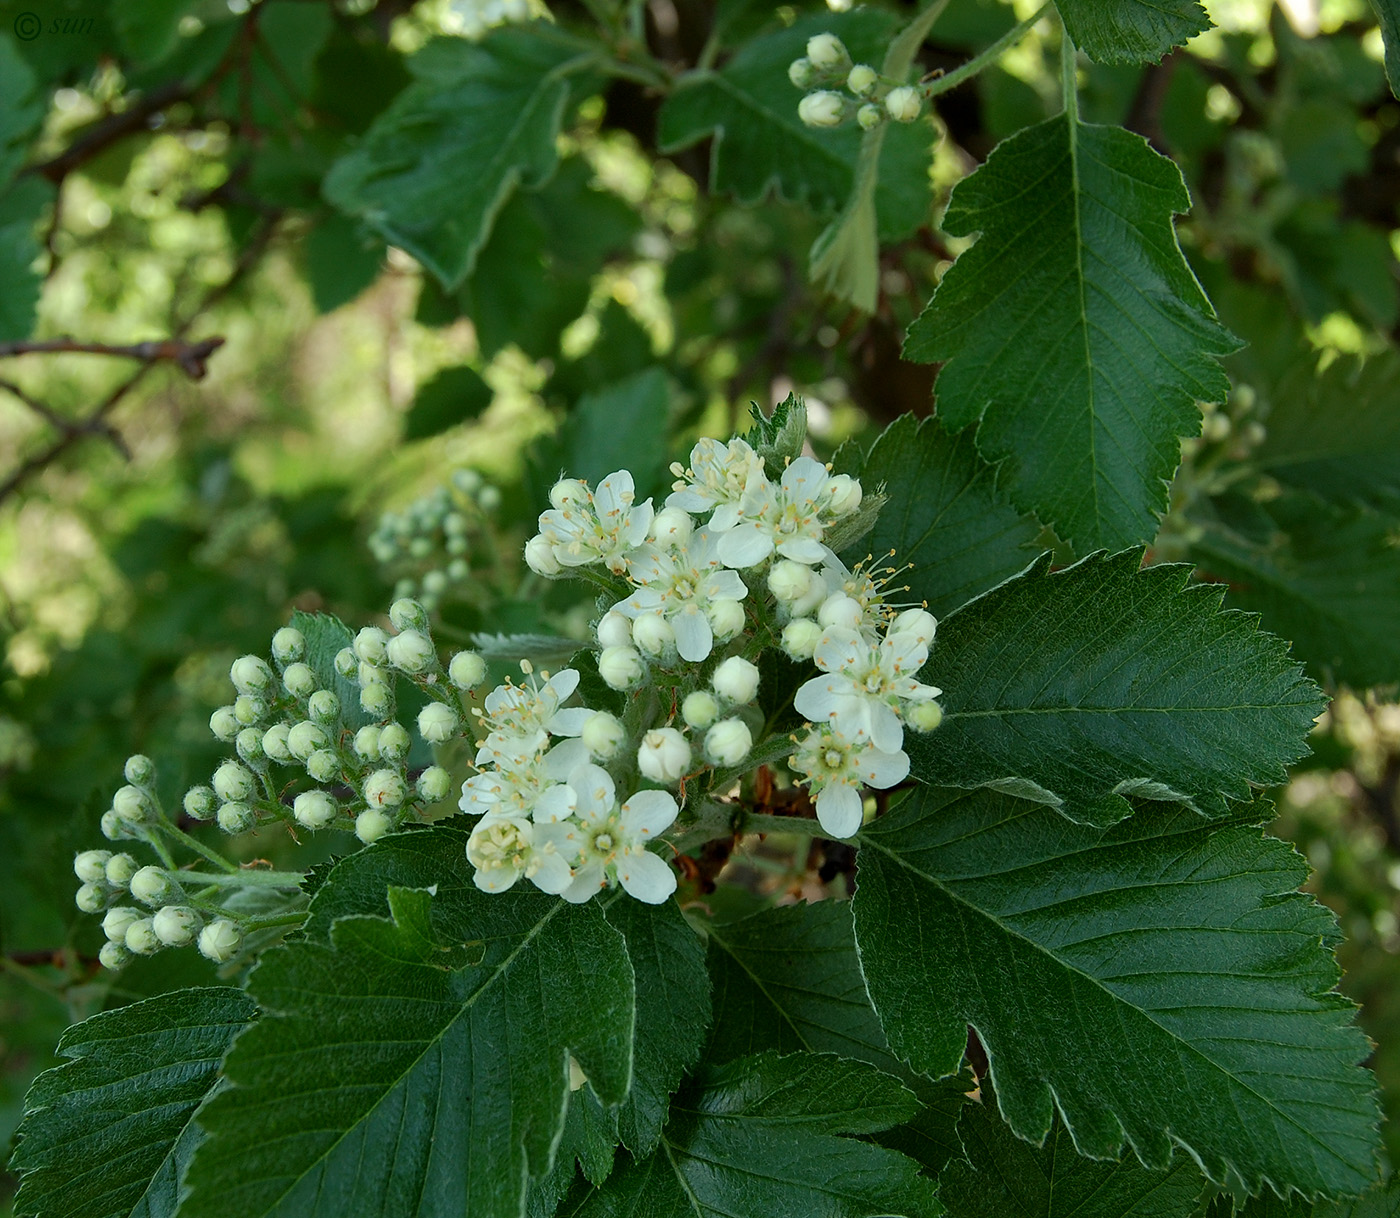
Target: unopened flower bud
(91, 898)
(653, 635)
(300, 681)
(822, 109)
(672, 527)
(314, 809)
(800, 638)
(728, 742)
(827, 52)
(366, 743)
(233, 782)
(621, 667)
(248, 709)
(139, 770)
(861, 79)
(305, 738)
(113, 828)
(377, 700)
(467, 670)
(917, 622)
(90, 866)
(437, 722)
(664, 755)
(434, 783)
(347, 663)
(870, 116)
(904, 104)
(113, 955)
(250, 675)
(726, 618)
(394, 742)
(614, 630)
(840, 610)
(132, 806)
(802, 74)
(141, 938)
(274, 743)
(843, 494)
(119, 870)
(568, 491)
(407, 614)
(235, 818)
(385, 789)
(288, 645)
(249, 745)
(224, 724)
(200, 802)
(603, 735)
(700, 709)
(539, 557)
(370, 645)
(371, 825)
(119, 918)
(175, 925)
(412, 651)
(924, 716)
(323, 707)
(151, 886)
(220, 940)
(323, 766)
(736, 680)
(790, 581)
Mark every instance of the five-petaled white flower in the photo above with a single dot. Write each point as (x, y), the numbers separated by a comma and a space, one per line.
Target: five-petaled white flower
(611, 841)
(603, 526)
(681, 584)
(503, 848)
(788, 517)
(718, 477)
(836, 767)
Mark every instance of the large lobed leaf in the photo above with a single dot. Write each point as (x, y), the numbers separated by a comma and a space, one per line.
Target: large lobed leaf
(1159, 983)
(417, 1063)
(1130, 31)
(110, 1132)
(1084, 686)
(1074, 333)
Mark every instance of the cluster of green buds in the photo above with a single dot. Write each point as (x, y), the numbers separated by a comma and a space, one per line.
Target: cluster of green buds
(827, 68)
(428, 548)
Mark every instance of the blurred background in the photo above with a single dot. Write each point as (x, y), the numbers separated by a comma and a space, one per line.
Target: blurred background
(360, 433)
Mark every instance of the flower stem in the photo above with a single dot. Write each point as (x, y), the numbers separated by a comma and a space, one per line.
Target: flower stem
(246, 878)
(986, 58)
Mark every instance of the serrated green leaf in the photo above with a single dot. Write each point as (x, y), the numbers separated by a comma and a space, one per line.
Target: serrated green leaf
(453, 396)
(1075, 336)
(1158, 982)
(110, 1132)
(325, 636)
(758, 1139)
(1008, 1178)
(1382, 1201)
(480, 118)
(1328, 578)
(1101, 681)
(1388, 14)
(946, 514)
(750, 107)
(416, 1064)
(779, 437)
(1131, 31)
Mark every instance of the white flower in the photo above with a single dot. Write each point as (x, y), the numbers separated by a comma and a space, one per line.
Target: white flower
(604, 528)
(664, 755)
(836, 768)
(863, 685)
(736, 679)
(682, 585)
(786, 518)
(610, 842)
(718, 476)
(502, 849)
(522, 710)
(525, 781)
(728, 742)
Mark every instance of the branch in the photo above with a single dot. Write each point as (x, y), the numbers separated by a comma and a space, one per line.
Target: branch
(110, 130)
(66, 426)
(193, 358)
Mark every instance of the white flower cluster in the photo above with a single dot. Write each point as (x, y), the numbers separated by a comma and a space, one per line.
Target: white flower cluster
(428, 545)
(826, 67)
(473, 18)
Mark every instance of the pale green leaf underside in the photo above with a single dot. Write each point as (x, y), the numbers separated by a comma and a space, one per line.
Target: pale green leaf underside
(1073, 332)
(418, 1064)
(432, 171)
(1159, 983)
(1131, 31)
(109, 1132)
(1101, 681)
(758, 1138)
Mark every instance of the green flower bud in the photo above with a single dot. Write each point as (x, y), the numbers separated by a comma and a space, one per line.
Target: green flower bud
(233, 782)
(274, 743)
(458, 569)
(621, 667)
(924, 716)
(249, 745)
(118, 919)
(113, 955)
(250, 675)
(220, 940)
(728, 742)
(407, 614)
(315, 809)
(861, 79)
(437, 722)
(800, 638)
(224, 724)
(300, 681)
(434, 783)
(248, 710)
(91, 898)
(141, 938)
(305, 738)
(367, 743)
(139, 770)
(90, 866)
(132, 806)
(603, 735)
(200, 802)
(736, 680)
(870, 116)
(151, 886)
(412, 651)
(175, 925)
(394, 742)
(467, 670)
(822, 109)
(435, 582)
(377, 700)
(113, 828)
(119, 870)
(324, 707)
(827, 53)
(236, 818)
(700, 709)
(370, 644)
(323, 765)
(802, 74)
(371, 825)
(904, 104)
(347, 663)
(288, 645)
(385, 789)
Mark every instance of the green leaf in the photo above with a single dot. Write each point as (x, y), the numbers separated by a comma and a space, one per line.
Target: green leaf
(1158, 982)
(750, 107)
(149, 31)
(1388, 14)
(22, 204)
(325, 636)
(21, 107)
(1074, 333)
(1009, 1178)
(946, 514)
(788, 979)
(340, 262)
(1131, 31)
(437, 165)
(779, 437)
(454, 395)
(758, 1139)
(1087, 685)
(1382, 1201)
(111, 1131)
(416, 1064)
(1328, 578)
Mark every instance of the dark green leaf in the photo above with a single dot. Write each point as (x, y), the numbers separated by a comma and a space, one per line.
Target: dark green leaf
(1075, 335)
(454, 395)
(1382, 1201)
(1131, 31)
(340, 262)
(1102, 681)
(750, 107)
(778, 437)
(1158, 982)
(110, 1132)
(946, 514)
(757, 1139)
(417, 1064)
(21, 107)
(149, 31)
(21, 206)
(1388, 13)
(480, 118)
(1009, 1178)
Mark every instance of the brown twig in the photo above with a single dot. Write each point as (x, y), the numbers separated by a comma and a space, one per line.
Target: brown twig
(110, 130)
(192, 358)
(64, 425)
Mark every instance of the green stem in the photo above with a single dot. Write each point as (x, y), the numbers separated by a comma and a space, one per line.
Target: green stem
(994, 52)
(1069, 75)
(295, 918)
(245, 878)
(209, 855)
(903, 49)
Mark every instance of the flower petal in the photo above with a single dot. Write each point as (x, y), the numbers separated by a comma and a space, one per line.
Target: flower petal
(587, 883)
(495, 879)
(552, 874)
(646, 877)
(555, 804)
(883, 770)
(648, 813)
(840, 810)
(597, 797)
(804, 479)
(694, 638)
(569, 722)
(886, 732)
(744, 545)
(563, 758)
